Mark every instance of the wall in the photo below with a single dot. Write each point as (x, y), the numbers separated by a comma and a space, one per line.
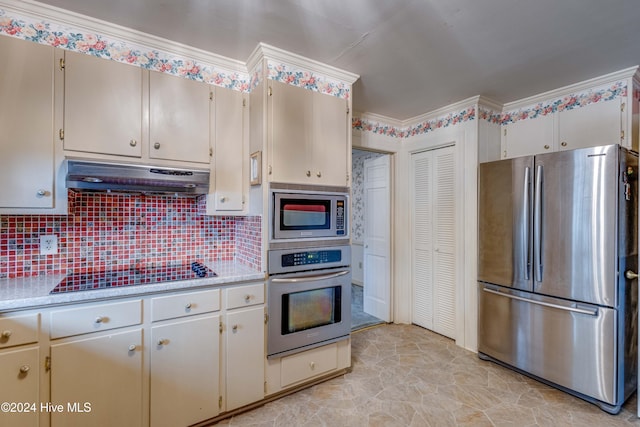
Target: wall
(104, 231)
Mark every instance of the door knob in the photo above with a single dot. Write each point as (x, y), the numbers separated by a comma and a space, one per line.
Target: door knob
(630, 275)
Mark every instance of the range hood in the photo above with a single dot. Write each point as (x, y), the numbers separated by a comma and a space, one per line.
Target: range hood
(96, 175)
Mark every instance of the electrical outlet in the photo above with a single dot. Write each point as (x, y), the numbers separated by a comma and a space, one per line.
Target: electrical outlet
(49, 244)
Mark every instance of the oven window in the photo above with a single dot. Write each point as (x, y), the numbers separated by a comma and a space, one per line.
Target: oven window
(304, 214)
(310, 309)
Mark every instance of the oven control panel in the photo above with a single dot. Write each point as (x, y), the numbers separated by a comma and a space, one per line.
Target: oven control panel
(311, 257)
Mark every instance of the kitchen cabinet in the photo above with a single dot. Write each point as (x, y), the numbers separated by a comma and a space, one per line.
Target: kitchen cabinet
(179, 118)
(102, 106)
(244, 338)
(308, 141)
(185, 358)
(229, 179)
(591, 125)
(19, 369)
(29, 157)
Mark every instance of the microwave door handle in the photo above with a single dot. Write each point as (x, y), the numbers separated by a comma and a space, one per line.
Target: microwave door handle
(311, 278)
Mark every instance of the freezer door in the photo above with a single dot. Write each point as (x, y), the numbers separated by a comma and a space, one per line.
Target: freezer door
(575, 211)
(572, 345)
(504, 242)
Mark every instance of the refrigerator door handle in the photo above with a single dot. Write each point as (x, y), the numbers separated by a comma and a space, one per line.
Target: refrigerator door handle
(537, 226)
(592, 312)
(526, 253)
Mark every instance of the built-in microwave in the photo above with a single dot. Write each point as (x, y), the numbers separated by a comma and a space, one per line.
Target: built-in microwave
(308, 214)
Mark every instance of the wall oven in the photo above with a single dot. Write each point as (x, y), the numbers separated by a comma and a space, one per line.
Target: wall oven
(308, 297)
(304, 213)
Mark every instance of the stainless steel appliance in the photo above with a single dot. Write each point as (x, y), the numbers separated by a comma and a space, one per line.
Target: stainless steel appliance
(308, 213)
(95, 175)
(557, 232)
(308, 298)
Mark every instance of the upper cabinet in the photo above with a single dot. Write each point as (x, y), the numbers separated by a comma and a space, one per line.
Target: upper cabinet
(229, 179)
(178, 118)
(591, 125)
(102, 106)
(308, 141)
(115, 109)
(29, 157)
(527, 137)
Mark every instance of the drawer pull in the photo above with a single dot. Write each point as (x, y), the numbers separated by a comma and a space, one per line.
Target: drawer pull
(163, 341)
(6, 334)
(247, 298)
(132, 347)
(24, 369)
(188, 306)
(312, 365)
(101, 319)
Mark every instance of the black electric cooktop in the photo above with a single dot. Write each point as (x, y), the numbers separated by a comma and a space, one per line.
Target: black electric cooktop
(132, 277)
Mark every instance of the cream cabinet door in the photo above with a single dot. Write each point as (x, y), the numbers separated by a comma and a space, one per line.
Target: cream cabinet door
(178, 118)
(527, 137)
(20, 387)
(290, 145)
(245, 356)
(102, 106)
(27, 156)
(330, 140)
(101, 376)
(590, 126)
(229, 173)
(185, 371)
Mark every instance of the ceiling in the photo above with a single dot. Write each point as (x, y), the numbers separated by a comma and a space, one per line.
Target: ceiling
(413, 56)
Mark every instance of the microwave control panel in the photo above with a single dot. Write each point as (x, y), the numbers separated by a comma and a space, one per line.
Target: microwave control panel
(340, 218)
(311, 257)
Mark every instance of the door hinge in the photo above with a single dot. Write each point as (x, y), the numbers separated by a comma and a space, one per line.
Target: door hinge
(220, 402)
(348, 110)
(622, 135)
(270, 170)
(265, 387)
(270, 91)
(244, 102)
(266, 318)
(505, 132)
(210, 96)
(622, 106)
(61, 134)
(347, 177)
(61, 64)
(210, 152)
(47, 363)
(220, 327)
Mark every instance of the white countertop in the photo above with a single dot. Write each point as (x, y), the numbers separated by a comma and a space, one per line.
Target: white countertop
(32, 292)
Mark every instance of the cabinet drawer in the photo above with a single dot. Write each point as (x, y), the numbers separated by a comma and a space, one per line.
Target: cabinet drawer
(244, 296)
(18, 330)
(94, 318)
(311, 363)
(172, 306)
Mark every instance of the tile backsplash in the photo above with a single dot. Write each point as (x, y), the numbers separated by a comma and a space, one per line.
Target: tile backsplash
(115, 231)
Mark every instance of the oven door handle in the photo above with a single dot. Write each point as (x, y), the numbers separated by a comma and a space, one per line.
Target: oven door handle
(311, 278)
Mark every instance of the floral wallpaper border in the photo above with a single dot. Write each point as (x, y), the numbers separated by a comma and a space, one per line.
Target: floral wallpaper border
(307, 80)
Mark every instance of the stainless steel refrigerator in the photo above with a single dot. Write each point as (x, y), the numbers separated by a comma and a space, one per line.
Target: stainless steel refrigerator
(557, 240)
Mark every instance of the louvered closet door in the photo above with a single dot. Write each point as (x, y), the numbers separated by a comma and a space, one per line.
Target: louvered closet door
(433, 230)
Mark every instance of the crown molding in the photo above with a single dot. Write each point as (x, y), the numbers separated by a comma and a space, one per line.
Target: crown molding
(379, 118)
(572, 88)
(448, 109)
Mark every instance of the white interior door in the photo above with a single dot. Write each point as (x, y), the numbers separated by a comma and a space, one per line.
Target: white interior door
(432, 213)
(377, 238)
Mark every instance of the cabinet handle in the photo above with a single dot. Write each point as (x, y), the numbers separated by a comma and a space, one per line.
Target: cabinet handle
(133, 143)
(24, 369)
(156, 145)
(546, 147)
(234, 328)
(308, 173)
(188, 306)
(223, 199)
(312, 365)
(247, 298)
(163, 341)
(132, 347)
(6, 334)
(563, 143)
(101, 319)
(41, 193)
(319, 174)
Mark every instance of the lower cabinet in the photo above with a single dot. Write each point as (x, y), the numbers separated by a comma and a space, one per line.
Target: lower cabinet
(98, 380)
(20, 387)
(185, 371)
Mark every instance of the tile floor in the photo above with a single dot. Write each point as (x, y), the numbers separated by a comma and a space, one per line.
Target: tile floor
(404, 375)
